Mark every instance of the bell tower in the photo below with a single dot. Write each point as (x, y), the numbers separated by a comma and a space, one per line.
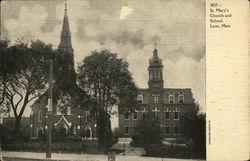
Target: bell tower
(155, 71)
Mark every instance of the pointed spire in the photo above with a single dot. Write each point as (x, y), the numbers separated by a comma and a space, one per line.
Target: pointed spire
(65, 42)
(65, 6)
(155, 50)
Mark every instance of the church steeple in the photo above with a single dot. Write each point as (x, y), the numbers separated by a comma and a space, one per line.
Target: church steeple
(66, 56)
(65, 43)
(155, 71)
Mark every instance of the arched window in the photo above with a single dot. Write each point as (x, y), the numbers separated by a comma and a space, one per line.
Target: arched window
(40, 115)
(181, 98)
(171, 98)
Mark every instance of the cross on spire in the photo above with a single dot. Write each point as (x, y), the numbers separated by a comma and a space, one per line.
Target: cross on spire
(155, 45)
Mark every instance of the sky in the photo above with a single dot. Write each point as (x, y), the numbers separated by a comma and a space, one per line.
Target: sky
(129, 28)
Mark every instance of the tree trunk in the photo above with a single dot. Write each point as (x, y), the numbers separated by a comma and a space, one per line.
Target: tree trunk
(18, 124)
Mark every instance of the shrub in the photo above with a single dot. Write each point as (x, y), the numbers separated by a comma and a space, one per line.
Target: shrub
(162, 150)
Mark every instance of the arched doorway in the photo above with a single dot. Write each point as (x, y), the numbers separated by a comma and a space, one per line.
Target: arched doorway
(88, 132)
(40, 133)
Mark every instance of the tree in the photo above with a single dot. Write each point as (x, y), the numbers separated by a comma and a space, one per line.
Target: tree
(9, 67)
(30, 81)
(149, 132)
(194, 127)
(109, 83)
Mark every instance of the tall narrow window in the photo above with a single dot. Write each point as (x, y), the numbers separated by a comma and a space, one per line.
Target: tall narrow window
(126, 130)
(87, 114)
(159, 75)
(69, 111)
(167, 115)
(155, 111)
(171, 98)
(126, 116)
(156, 98)
(151, 75)
(167, 130)
(40, 115)
(135, 115)
(176, 114)
(155, 74)
(176, 130)
(181, 98)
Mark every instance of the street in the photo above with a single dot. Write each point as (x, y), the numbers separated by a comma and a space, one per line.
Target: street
(14, 156)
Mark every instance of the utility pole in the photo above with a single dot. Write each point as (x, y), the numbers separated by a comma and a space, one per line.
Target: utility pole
(49, 112)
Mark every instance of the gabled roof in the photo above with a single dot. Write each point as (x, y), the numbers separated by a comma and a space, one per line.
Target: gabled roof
(63, 119)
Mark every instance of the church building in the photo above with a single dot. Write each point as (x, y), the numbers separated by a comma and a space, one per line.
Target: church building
(167, 105)
(71, 112)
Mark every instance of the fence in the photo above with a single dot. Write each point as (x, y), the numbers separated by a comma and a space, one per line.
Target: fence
(81, 147)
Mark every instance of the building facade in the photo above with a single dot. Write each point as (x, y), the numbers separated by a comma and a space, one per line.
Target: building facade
(167, 105)
(70, 112)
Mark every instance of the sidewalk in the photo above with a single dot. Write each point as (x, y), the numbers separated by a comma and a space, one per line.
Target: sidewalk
(33, 156)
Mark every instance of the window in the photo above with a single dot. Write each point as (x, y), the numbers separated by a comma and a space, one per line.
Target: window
(167, 130)
(176, 114)
(69, 111)
(135, 115)
(167, 115)
(87, 116)
(155, 115)
(176, 130)
(151, 75)
(156, 110)
(140, 99)
(159, 74)
(40, 115)
(171, 98)
(126, 115)
(155, 74)
(156, 98)
(126, 130)
(144, 113)
(181, 98)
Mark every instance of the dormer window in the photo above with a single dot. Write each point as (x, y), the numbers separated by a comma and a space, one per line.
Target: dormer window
(171, 98)
(181, 98)
(140, 99)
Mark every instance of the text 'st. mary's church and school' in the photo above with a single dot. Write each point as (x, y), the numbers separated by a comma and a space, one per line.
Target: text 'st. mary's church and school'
(167, 105)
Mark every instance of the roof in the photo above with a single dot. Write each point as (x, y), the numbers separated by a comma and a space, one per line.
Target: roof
(187, 92)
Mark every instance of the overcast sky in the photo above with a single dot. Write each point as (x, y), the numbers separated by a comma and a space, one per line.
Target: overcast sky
(128, 27)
